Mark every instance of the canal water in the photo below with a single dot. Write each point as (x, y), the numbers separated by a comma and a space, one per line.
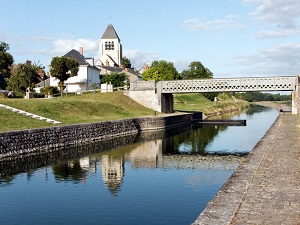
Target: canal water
(163, 177)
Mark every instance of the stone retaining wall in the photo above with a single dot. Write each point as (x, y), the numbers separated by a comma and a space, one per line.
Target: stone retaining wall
(45, 140)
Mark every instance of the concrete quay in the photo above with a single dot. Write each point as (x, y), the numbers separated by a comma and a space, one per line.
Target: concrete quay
(265, 188)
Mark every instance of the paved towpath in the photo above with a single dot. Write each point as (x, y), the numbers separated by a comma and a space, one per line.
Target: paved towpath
(265, 189)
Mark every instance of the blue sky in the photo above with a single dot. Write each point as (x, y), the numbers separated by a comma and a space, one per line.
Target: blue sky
(233, 38)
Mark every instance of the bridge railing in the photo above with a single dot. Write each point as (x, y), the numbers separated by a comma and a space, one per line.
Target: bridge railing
(284, 83)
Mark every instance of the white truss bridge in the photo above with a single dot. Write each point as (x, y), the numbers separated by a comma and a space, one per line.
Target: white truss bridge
(283, 83)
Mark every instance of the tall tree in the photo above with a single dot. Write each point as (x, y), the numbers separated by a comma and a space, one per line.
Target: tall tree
(196, 70)
(6, 60)
(23, 76)
(62, 68)
(161, 70)
(126, 62)
(116, 79)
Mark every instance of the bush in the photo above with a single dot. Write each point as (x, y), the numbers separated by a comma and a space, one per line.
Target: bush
(50, 90)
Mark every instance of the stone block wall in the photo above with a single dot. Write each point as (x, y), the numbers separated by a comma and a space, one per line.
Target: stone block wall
(46, 140)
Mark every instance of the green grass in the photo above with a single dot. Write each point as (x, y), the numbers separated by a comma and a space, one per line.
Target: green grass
(86, 108)
(97, 107)
(197, 102)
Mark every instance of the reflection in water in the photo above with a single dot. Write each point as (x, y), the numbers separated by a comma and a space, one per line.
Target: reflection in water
(112, 173)
(134, 179)
(144, 150)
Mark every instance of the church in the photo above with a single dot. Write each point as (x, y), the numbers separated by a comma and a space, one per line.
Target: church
(110, 55)
(90, 73)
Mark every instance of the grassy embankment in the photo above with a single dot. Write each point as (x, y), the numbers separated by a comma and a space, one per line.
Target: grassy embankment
(99, 107)
(197, 102)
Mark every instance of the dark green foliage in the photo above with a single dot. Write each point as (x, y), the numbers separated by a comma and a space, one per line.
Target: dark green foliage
(50, 90)
(196, 71)
(210, 95)
(6, 61)
(126, 62)
(23, 76)
(259, 96)
(161, 70)
(116, 79)
(62, 68)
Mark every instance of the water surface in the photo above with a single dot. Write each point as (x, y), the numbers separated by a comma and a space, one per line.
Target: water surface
(164, 177)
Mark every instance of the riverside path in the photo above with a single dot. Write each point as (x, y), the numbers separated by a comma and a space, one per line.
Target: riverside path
(265, 189)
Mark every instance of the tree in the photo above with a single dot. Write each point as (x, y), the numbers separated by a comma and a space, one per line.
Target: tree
(196, 70)
(23, 76)
(116, 79)
(62, 68)
(6, 60)
(126, 62)
(161, 70)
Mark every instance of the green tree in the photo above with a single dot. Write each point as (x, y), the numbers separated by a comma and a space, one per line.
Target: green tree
(6, 60)
(62, 68)
(126, 62)
(23, 76)
(116, 79)
(161, 70)
(196, 70)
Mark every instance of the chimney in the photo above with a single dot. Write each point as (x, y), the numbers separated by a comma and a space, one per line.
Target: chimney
(81, 50)
(145, 67)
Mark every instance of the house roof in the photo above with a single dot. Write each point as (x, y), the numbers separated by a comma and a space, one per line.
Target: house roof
(110, 33)
(120, 70)
(80, 58)
(76, 55)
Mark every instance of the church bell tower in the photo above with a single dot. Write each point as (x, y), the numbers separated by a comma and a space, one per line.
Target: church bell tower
(110, 48)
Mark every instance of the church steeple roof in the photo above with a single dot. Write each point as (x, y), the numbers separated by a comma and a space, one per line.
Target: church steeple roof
(110, 33)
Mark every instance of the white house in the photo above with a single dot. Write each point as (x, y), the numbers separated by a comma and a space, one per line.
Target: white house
(88, 75)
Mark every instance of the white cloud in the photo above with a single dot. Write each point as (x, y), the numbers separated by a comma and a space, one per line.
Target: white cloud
(2, 35)
(278, 34)
(284, 13)
(63, 46)
(228, 23)
(282, 59)
(181, 64)
(138, 57)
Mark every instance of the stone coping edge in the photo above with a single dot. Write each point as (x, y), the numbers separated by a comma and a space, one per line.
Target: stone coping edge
(223, 207)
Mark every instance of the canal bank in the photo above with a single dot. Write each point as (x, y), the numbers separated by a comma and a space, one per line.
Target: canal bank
(45, 140)
(265, 187)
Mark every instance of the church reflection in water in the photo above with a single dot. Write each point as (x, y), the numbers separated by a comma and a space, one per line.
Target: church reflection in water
(182, 148)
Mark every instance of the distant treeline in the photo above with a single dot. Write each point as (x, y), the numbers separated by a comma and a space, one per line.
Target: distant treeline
(259, 96)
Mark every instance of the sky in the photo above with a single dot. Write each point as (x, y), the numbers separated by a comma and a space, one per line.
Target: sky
(232, 38)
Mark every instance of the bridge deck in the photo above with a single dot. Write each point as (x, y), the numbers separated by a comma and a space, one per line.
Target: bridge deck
(287, 83)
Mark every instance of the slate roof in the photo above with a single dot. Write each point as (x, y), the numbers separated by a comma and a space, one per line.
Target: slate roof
(119, 70)
(76, 55)
(110, 33)
(80, 58)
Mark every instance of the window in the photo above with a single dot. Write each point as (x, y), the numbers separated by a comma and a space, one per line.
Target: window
(109, 45)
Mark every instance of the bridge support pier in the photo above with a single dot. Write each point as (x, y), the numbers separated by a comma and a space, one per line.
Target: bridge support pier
(167, 103)
(296, 97)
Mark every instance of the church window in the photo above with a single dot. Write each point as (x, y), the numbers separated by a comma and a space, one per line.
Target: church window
(109, 45)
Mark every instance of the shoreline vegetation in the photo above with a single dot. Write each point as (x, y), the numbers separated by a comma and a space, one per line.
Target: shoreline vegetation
(88, 108)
